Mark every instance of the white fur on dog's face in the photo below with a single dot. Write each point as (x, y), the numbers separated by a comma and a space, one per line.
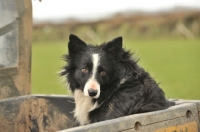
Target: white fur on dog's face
(92, 82)
(83, 106)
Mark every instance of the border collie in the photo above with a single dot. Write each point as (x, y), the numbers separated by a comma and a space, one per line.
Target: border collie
(107, 82)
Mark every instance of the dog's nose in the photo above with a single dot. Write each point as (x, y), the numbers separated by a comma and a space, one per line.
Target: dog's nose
(92, 92)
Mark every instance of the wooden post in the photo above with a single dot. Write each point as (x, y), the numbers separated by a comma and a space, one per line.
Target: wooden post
(15, 47)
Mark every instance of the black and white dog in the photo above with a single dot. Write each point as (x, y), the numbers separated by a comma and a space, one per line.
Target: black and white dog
(107, 83)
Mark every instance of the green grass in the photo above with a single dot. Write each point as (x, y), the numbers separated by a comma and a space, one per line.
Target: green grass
(173, 62)
(46, 63)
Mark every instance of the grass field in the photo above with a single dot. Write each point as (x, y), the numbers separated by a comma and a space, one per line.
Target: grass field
(173, 62)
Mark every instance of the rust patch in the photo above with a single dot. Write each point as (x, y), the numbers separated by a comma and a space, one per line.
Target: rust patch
(186, 127)
(5, 125)
(38, 115)
(35, 114)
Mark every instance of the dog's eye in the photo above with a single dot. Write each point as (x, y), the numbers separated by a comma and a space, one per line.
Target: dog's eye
(84, 70)
(102, 73)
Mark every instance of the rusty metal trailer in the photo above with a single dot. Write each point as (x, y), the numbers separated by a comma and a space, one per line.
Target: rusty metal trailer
(22, 112)
(43, 113)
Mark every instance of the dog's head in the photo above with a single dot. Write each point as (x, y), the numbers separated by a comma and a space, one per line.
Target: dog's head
(93, 69)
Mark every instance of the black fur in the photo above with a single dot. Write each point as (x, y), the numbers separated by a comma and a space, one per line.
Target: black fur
(138, 94)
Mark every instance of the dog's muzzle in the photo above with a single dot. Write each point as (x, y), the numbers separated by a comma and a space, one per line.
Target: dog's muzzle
(92, 88)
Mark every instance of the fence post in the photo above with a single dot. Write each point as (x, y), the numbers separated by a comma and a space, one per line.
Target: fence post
(15, 47)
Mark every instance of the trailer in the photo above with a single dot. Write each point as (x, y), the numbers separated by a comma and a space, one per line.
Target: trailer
(45, 113)
(20, 111)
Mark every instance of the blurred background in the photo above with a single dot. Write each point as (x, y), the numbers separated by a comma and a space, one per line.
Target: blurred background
(165, 35)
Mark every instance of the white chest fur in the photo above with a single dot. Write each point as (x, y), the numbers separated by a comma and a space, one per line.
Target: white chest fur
(84, 105)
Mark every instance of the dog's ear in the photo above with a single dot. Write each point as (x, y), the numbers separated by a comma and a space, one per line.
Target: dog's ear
(75, 44)
(114, 46)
